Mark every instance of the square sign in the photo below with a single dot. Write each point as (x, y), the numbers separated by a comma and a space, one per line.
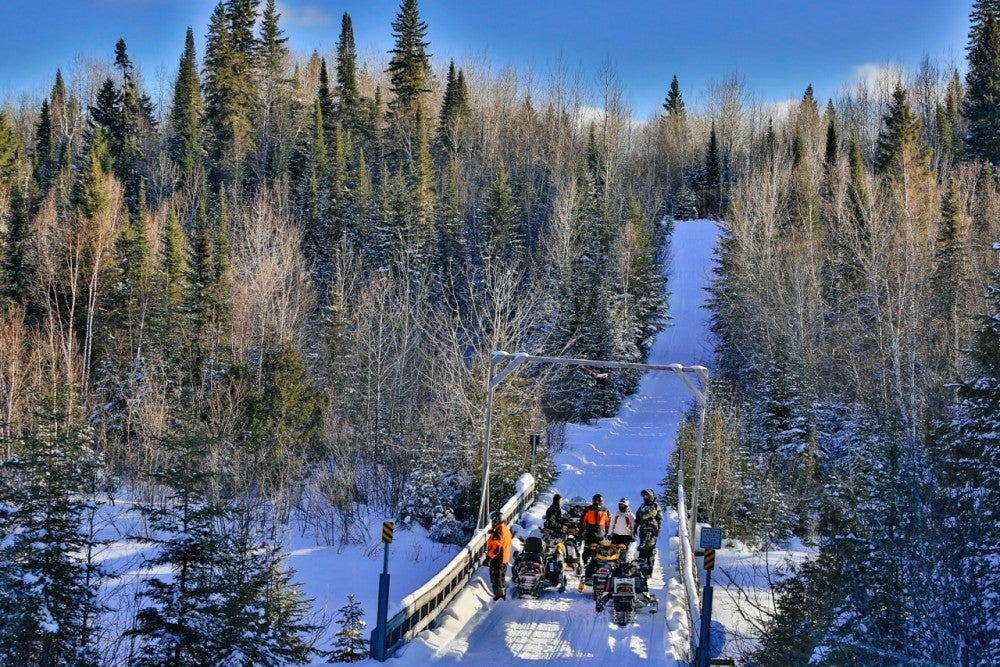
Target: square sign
(711, 538)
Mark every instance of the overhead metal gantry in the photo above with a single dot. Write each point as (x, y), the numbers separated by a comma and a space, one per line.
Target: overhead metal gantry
(502, 364)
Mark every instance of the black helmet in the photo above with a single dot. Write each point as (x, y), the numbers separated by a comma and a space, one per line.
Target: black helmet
(598, 498)
(623, 504)
(648, 494)
(495, 516)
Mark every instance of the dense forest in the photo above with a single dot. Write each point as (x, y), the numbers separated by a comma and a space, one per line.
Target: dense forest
(273, 303)
(856, 308)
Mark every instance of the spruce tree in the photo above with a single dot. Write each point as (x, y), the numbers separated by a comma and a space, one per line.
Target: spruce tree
(713, 173)
(899, 144)
(44, 155)
(502, 221)
(48, 578)
(982, 79)
(409, 68)
(229, 88)
(14, 262)
(230, 598)
(11, 150)
(185, 144)
(454, 111)
(349, 104)
(674, 104)
(973, 472)
(274, 104)
(350, 644)
(832, 141)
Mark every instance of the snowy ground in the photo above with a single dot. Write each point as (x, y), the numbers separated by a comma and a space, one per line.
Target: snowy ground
(742, 583)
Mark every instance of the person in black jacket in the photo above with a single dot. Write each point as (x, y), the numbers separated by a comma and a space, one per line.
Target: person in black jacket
(554, 519)
(648, 519)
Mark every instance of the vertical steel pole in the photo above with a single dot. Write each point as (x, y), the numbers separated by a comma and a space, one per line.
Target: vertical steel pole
(378, 640)
(704, 643)
(699, 438)
(484, 499)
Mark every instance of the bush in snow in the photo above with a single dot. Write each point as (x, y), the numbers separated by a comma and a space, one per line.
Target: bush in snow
(350, 645)
(431, 498)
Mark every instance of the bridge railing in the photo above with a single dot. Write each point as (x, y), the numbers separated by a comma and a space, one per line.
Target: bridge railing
(688, 567)
(421, 608)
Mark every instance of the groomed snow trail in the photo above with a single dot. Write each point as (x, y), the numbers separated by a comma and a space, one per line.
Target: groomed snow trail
(616, 457)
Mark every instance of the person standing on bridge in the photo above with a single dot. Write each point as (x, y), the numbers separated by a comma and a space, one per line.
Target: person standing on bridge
(554, 519)
(648, 519)
(623, 524)
(498, 555)
(594, 525)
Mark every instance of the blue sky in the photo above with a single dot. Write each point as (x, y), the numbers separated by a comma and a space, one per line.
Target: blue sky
(778, 46)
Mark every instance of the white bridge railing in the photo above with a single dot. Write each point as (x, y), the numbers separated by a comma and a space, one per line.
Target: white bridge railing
(688, 567)
(421, 608)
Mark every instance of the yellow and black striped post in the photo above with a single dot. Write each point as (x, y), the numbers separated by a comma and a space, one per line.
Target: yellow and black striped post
(709, 559)
(387, 528)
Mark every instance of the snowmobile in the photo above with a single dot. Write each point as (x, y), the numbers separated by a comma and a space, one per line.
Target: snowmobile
(599, 568)
(564, 538)
(627, 591)
(537, 566)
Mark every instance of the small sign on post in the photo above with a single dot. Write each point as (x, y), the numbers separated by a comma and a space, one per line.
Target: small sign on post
(711, 538)
(387, 529)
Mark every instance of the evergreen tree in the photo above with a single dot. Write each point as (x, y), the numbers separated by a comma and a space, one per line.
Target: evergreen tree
(11, 150)
(326, 104)
(44, 155)
(275, 103)
(502, 221)
(131, 289)
(350, 643)
(449, 257)
(899, 142)
(16, 270)
(858, 188)
(284, 419)
(832, 141)
(229, 599)
(409, 68)
(48, 576)
(982, 81)
(454, 111)
(349, 104)
(713, 173)
(185, 143)
(949, 123)
(199, 302)
(170, 291)
(973, 473)
(674, 104)
(229, 88)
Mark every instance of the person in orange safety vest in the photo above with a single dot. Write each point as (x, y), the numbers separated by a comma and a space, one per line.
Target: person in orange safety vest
(498, 545)
(594, 525)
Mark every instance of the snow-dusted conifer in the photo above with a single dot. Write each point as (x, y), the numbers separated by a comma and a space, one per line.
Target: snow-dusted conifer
(351, 644)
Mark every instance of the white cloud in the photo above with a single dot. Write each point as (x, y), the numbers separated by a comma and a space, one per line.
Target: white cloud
(877, 76)
(304, 16)
(585, 115)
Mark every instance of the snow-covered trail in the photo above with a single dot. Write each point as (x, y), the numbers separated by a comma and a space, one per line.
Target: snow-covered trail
(616, 457)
